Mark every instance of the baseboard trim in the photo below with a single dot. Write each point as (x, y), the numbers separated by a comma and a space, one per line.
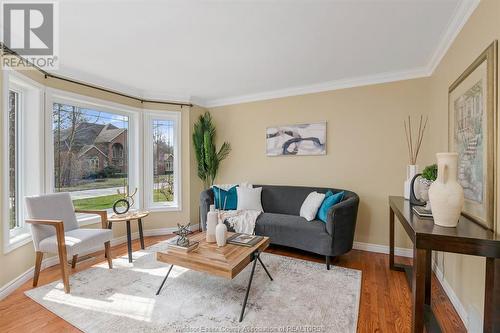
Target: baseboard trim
(405, 252)
(369, 247)
(459, 307)
(17, 282)
(11, 286)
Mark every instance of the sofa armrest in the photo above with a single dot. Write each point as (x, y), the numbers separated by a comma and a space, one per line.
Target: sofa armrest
(206, 199)
(341, 224)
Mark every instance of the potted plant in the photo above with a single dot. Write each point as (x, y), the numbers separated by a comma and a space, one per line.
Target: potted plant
(429, 175)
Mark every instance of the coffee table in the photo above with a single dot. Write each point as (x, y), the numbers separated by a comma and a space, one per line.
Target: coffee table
(226, 261)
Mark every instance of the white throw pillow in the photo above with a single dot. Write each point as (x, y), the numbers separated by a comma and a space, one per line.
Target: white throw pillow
(311, 205)
(249, 198)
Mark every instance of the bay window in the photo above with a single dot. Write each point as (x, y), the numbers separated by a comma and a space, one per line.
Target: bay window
(93, 147)
(161, 160)
(22, 154)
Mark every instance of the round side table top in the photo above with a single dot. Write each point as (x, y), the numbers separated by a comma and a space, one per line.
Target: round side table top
(127, 216)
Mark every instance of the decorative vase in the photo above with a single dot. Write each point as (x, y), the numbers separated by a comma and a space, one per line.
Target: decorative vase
(220, 233)
(445, 194)
(411, 171)
(211, 224)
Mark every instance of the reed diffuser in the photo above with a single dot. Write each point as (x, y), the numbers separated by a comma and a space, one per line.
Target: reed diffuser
(413, 150)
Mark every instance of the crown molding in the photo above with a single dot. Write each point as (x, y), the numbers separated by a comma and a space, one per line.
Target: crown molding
(321, 87)
(463, 11)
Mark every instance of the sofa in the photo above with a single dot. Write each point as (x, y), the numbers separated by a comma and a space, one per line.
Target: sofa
(281, 222)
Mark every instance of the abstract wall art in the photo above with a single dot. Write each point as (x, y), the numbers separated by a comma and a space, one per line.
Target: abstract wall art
(300, 139)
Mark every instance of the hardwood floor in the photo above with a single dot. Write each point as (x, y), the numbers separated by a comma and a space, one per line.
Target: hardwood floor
(385, 295)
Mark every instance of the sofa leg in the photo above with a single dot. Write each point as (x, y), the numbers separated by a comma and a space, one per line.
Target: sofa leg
(327, 262)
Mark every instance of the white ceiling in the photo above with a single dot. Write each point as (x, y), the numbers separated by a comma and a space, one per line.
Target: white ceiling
(223, 52)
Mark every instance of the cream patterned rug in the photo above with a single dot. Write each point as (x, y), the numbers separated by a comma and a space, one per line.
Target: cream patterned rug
(304, 297)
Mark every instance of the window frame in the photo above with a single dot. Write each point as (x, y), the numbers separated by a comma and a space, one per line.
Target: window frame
(134, 134)
(30, 94)
(148, 118)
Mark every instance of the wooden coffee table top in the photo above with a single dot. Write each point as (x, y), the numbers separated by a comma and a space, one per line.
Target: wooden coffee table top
(226, 261)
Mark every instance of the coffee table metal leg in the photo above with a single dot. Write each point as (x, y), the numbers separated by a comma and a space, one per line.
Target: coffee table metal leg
(264, 266)
(165, 279)
(249, 285)
(129, 242)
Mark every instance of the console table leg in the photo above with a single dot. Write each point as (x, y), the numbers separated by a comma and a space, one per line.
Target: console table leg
(418, 289)
(248, 288)
(165, 279)
(391, 238)
(492, 296)
(428, 276)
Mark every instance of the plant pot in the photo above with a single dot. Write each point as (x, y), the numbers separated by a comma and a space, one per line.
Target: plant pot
(445, 194)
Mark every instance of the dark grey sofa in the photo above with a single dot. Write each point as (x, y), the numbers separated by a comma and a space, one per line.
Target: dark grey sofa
(282, 223)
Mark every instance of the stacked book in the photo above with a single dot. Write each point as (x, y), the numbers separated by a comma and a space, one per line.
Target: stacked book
(173, 246)
(244, 239)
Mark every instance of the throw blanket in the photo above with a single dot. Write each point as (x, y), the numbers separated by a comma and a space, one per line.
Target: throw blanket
(242, 221)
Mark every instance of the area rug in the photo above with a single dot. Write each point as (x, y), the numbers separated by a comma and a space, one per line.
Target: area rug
(304, 297)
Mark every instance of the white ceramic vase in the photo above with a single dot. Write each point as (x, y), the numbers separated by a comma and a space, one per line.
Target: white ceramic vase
(220, 233)
(211, 225)
(411, 171)
(445, 194)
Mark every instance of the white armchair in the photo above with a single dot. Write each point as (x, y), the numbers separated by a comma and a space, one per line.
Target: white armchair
(54, 229)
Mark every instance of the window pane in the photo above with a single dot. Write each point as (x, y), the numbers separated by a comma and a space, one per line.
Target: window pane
(163, 160)
(13, 156)
(90, 155)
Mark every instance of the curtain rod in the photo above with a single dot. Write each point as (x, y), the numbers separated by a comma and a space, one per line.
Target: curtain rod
(46, 74)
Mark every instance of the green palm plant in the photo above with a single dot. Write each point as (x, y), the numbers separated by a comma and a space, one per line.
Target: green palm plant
(207, 156)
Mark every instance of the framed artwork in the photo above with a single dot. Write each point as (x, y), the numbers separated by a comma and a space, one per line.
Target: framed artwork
(472, 113)
(301, 139)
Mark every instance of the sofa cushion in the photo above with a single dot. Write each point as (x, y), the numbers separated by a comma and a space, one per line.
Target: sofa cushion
(329, 201)
(225, 199)
(294, 231)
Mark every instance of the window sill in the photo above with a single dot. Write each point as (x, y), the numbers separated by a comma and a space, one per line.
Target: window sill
(17, 241)
(172, 208)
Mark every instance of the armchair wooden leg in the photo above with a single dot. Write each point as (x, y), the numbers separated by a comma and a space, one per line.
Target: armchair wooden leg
(107, 251)
(73, 262)
(38, 266)
(63, 261)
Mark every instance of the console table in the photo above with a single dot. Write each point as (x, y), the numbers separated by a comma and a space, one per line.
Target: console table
(467, 238)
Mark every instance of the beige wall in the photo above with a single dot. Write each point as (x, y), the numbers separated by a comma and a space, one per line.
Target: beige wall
(366, 147)
(365, 143)
(21, 259)
(465, 274)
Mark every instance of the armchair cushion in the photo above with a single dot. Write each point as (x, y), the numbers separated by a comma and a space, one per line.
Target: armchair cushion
(77, 241)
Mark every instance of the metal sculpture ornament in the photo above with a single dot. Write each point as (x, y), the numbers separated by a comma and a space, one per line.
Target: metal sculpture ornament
(122, 206)
(183, 231)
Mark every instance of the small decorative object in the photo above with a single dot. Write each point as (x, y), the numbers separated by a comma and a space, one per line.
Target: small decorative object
(212, 217)
(220, 233)
(446, 194)
(122, 206)
(472, 133)
(429, 175)
(172, 246)
(303, 139)
(207, 156)
(413, 150)
(413, 197)
(182, 232)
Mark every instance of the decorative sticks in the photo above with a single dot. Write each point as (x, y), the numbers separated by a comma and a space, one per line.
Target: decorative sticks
(414, 150)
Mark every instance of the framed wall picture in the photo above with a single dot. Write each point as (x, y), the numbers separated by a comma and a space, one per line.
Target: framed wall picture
(472, 114)
(300, 139)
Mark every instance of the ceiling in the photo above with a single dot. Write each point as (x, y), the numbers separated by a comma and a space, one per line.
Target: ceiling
(224, 52)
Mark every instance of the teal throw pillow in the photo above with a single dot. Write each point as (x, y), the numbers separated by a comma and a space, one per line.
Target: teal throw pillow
(330, 200)
(229, 197)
